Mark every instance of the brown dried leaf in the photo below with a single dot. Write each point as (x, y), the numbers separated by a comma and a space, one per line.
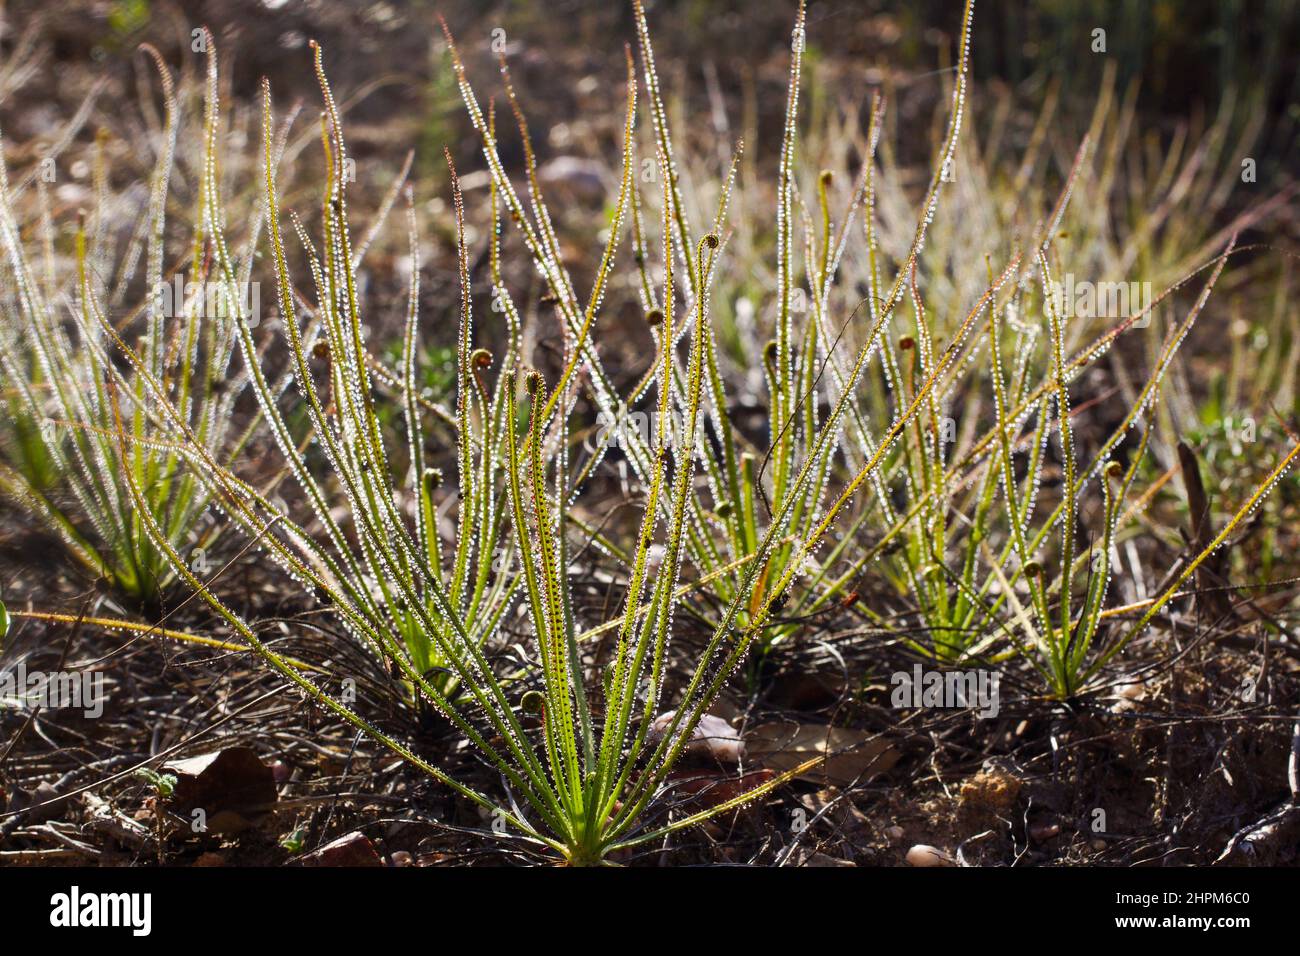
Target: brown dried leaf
(232, 787)
(352, 849)
(849, 754)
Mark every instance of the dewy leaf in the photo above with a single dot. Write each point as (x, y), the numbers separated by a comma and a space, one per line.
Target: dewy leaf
(584, 743)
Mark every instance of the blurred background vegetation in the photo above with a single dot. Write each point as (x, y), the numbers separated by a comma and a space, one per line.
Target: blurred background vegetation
(1185, 57)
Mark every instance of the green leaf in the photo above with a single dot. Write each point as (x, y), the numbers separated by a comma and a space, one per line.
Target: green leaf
(164, 784)
(296, 841)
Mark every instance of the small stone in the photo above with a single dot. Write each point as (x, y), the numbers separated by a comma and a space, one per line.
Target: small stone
(1042, 832)
(924, 855)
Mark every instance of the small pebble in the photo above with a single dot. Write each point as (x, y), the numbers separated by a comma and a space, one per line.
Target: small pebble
(923, 855)
(1131, 691)
(1042, 832)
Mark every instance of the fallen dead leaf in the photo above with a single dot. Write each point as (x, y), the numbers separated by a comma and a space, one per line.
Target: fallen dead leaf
(232, 787)
(712, 736)
(710, 788)
(843, 814)
(849, 754)
(352, 849)
(42, 800)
